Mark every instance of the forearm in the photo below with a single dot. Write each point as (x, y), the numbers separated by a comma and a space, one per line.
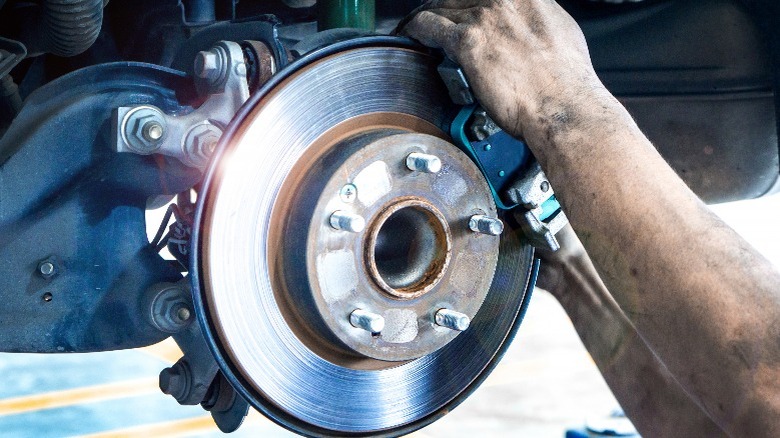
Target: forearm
(705, 302)
(674, 268)
(651, 398)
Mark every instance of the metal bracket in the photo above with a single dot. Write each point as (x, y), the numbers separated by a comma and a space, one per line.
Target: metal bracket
(542, 216)
(11, 53)
(456, 82)
(191, 138)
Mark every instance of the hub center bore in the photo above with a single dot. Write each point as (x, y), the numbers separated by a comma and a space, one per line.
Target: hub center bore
(408, 248)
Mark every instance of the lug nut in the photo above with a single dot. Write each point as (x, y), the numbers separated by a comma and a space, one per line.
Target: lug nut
(452, 320)
(345, 221)
(423, 162)
(480, 223)
(368, 321)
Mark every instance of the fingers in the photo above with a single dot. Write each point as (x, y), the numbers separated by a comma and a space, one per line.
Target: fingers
(431, 29)
(455, 15)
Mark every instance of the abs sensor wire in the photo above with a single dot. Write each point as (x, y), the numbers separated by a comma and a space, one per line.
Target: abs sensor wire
(160, 241)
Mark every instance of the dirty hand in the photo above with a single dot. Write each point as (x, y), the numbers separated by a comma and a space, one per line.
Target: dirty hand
(526, 60)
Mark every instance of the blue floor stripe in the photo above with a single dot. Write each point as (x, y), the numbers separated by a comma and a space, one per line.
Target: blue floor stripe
(26, 374)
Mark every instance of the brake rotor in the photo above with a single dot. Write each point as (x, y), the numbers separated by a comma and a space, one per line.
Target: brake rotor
(312, 214)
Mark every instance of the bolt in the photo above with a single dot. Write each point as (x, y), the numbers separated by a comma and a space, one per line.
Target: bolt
(174, 381)
(144, 128)
(423, 162)
(348, 193)
(345, 221)
(368, 321)
(208, 65)
(200, 142)
(170, 309)
(183, 313)
(152, 131)
(46, 269)
(479, 223)
(452, 320)
(544, 186)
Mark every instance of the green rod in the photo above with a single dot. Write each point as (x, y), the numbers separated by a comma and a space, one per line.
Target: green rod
(358, 14)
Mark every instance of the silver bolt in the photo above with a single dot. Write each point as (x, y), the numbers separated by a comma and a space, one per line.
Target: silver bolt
(345, 221)
(423, 162)
(144, 127)
(348, 193)
(208, 65)
(452, 320)
(46, 269)
(368, 321)
(479, 223)
(153, 131)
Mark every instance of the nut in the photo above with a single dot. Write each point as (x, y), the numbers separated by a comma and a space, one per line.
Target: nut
(169, 308)
(201, 142)
(144, 129)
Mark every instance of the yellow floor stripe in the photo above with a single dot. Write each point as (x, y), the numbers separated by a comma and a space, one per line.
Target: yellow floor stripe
(177, 428)
(168, 429)
(76, 396)
(166, 350)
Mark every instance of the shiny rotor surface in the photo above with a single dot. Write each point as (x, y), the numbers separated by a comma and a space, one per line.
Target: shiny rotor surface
(241, 305)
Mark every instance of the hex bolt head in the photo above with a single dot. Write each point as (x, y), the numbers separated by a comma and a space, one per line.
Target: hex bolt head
(201, 142)
(480, 223)
(452, 320)
(170, 309)
(208, 65)
(346, 221)
(175, 381)
(368, 321)
(420, 162)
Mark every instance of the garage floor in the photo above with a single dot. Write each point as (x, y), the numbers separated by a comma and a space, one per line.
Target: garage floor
(545, 384)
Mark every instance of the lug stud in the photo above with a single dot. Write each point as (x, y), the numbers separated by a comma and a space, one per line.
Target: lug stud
(480, 223)
(423, 163)
(452, 320)
(345, 221)
(368, 321)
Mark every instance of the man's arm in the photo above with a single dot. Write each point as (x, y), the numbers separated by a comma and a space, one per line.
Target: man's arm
(647, 392)
(705, 301)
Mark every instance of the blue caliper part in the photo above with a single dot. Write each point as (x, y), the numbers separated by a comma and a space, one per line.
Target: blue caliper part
(501, 158)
